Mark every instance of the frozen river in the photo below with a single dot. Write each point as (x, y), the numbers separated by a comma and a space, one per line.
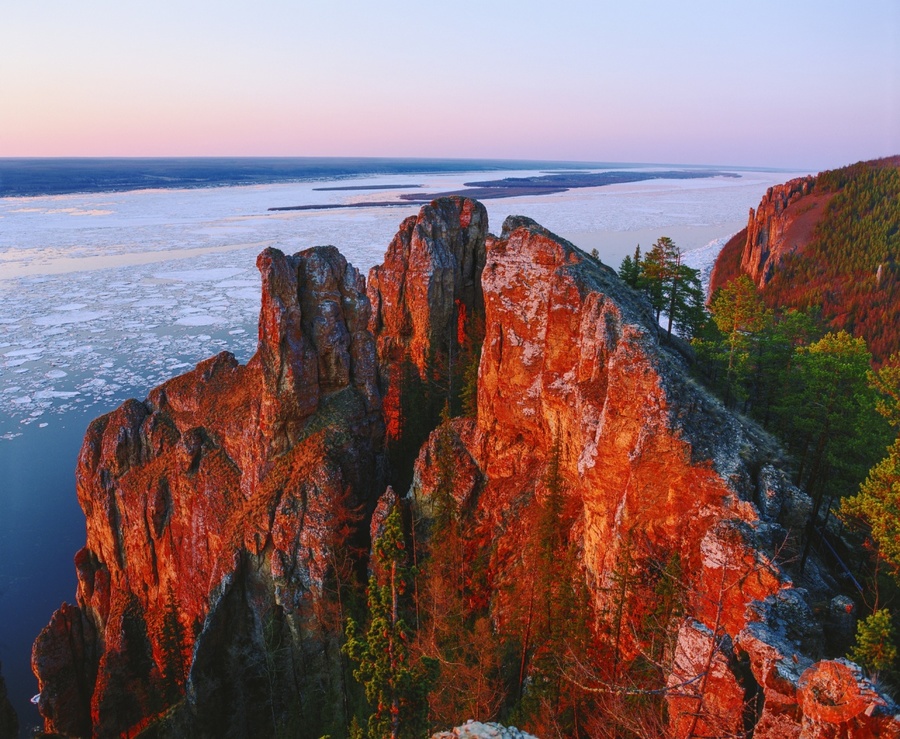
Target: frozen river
(104, 296)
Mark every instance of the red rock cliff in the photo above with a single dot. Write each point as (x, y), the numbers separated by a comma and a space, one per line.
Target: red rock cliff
(782, 224)
(214, 509)
(571, 362)
(424, 297)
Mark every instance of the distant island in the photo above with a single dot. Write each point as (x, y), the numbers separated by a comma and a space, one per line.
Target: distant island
(513, 187)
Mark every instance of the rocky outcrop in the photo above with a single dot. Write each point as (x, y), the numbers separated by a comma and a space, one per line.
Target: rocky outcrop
(571, 357)
(827, 243)
(215, 512)
(767, 680)
(782, 224)
(778, 226)
(727, 266)
(432, 266)
(425, 297)
(571, 368)
(9, 722)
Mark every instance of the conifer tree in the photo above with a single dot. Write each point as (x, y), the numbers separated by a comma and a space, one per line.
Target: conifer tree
(739, 314)
(673, 287)
(396, 685)
(630, 269)
(875, 648)
(455, 630)
(556, 625)
(877, 503)
(658, 270)
(688, 303)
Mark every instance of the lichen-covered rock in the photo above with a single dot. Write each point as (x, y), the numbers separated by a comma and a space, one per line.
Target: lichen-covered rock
(466, 475)
(837, 700)
(213, 509)
(479, 730)
(704, 689)
(571, 359)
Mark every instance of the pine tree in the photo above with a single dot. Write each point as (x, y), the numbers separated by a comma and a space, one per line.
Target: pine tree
(832, 426)
(740, 315)
(673, 287)
(455, 629)
(396, 685)
(658, 274)
(687, 312)
(631, 268)
(878, 501)
(875, 648)
(556, 628)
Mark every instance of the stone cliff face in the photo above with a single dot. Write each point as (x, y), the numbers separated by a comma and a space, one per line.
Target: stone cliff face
(571, 357)
(782, 224)
(829, 243)
(571, 363)
(424, 298)
(432, 266)
(215, 509)
(218, 507)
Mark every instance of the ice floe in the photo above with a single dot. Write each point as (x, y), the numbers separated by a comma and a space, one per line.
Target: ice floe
(74, 316)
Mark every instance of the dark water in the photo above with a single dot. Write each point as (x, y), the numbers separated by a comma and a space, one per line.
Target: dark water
(41, 528)
(29, 177)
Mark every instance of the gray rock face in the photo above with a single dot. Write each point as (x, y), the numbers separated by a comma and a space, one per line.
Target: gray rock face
(478, 730)
(840, 624)
(781, 502)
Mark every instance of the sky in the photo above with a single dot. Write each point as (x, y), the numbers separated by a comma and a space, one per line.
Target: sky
(802, 84)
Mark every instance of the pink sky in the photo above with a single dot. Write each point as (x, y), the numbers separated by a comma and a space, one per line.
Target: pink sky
(805, 84)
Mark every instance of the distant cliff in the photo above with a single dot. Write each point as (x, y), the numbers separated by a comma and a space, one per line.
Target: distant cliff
(227, 512)
(830, 241)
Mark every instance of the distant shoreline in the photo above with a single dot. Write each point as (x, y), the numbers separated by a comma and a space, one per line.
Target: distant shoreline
(335, 206)
(41, 176)
(38, 177)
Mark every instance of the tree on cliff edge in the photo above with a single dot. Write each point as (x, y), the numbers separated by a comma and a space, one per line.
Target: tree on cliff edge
(673, 288)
